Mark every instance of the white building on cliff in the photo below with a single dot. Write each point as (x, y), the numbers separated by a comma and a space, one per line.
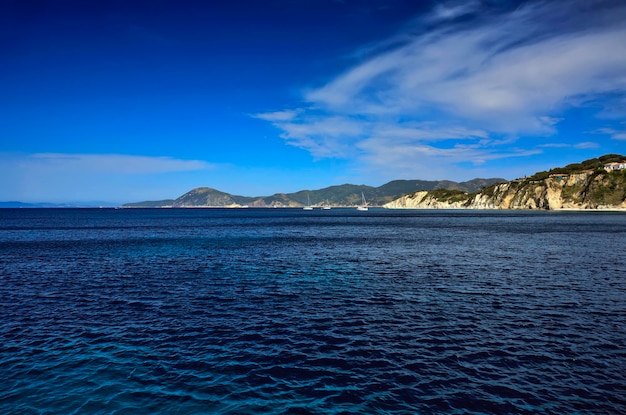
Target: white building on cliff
(615, 166)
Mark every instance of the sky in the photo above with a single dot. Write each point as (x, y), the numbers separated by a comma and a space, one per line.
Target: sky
(133, 100)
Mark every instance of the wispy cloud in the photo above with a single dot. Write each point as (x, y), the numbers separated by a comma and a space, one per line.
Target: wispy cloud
(453, 10)
(72, 177)
(582, 145)
(466, 88)
(278, 116)
(612, 132)
(108, 163)
(586, 145)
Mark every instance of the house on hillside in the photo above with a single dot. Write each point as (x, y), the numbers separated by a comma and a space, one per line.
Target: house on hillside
(615, 166)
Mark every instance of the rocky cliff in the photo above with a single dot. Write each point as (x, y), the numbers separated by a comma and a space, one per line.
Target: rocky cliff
(430, 200)
(590, 189)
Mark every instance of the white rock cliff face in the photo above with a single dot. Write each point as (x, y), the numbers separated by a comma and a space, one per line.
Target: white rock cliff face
(422, 200)
(554, 193)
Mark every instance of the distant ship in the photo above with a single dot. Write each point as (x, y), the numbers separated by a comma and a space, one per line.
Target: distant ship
(363, 207)
(308, 206)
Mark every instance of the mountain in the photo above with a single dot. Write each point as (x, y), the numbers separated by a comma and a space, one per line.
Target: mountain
(151, 203)
(342, 195)
(598, 183)
(206, 196)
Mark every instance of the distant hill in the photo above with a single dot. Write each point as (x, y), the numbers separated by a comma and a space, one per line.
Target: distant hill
(151, 203)
(598, 183)
(342, 195)
(15, 204)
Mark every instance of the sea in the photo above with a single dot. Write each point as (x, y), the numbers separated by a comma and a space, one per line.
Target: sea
(286, 311)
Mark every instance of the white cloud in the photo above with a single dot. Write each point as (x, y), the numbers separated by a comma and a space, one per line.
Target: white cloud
(278, 116)
(108, 163)
(555, 145)
(613, 133)
(425, 132)
(449, 11)
(586, 145)
(473, 83)
(427, 161)
(83, 177)
(323, 136)
(489, 73)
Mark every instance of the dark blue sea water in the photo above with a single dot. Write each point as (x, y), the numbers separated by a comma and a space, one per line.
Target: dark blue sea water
(281, 311)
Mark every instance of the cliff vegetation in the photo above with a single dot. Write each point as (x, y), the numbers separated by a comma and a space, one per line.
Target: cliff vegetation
(598, 183)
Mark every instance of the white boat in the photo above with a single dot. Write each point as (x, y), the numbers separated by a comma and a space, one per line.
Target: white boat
(308, 206)
(363, 207)
(326, 206)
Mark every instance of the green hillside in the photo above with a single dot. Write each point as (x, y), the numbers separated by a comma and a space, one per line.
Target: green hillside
(341, 195)
(151, 203)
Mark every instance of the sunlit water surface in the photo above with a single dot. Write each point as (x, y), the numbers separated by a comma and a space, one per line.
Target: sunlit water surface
(284, 311)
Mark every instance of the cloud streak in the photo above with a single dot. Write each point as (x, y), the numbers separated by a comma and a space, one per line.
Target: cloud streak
(463, 88)
(71, 177)
(613, 133)
(108, 163)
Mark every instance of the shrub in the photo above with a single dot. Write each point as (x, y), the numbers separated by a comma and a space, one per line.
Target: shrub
(449, 195)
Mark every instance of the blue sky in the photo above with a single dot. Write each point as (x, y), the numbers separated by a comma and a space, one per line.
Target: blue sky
(124, 101)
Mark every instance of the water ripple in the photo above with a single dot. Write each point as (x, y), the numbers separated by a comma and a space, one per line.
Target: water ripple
(263, 312)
